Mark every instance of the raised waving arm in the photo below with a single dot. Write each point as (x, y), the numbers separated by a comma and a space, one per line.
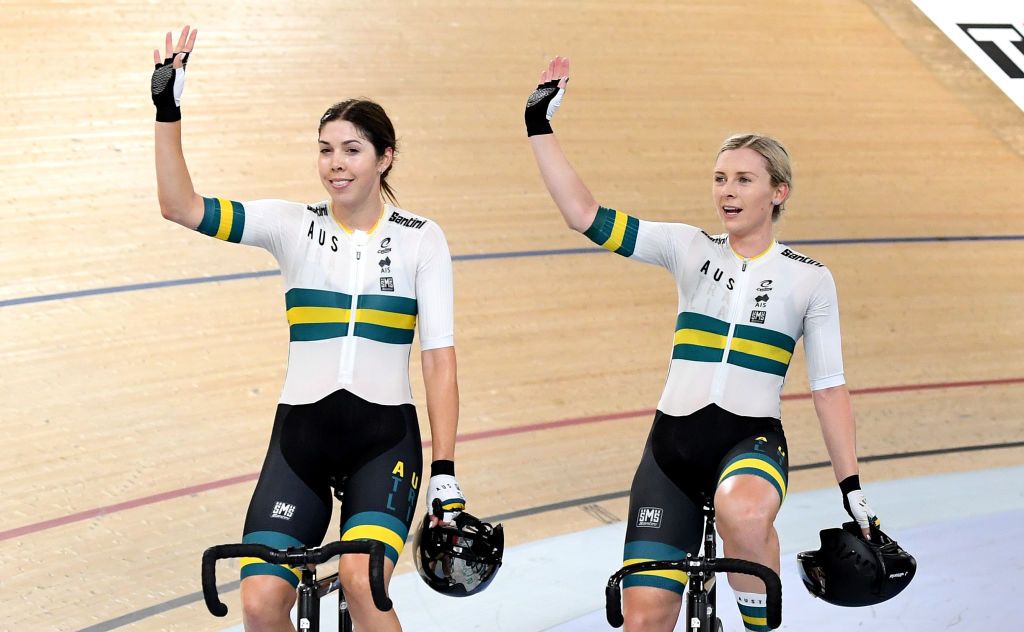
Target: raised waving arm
(179, 201)
(570, 194)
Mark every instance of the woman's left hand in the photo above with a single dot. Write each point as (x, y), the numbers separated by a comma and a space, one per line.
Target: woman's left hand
(856, 504)
(450, 501)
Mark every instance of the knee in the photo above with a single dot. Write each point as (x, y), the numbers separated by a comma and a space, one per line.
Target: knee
(643, 620)
(266, 602)
(744, 521)
(650, 619)
(650, 609)
(353, 570)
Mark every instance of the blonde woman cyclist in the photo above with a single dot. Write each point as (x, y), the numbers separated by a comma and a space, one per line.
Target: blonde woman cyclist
(360, 276)
(744, 301)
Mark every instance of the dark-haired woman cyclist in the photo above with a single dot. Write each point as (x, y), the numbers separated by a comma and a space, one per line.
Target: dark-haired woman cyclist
(360, 276)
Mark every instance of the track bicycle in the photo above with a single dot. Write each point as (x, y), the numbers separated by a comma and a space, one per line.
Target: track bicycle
(701, 610)
(310, 589)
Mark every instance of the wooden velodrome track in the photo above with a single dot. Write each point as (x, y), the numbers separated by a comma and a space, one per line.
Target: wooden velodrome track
(134, 421)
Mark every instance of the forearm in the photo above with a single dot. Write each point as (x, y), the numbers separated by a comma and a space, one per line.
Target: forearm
(835, 414)
(178, 199)
(441, 381)
(574, 200)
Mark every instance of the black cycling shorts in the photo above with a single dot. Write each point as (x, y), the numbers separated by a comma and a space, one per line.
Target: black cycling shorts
(684, 461)
(372, 450)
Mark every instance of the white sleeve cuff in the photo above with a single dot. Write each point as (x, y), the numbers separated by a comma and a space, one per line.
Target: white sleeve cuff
(437, 343)
(828, 382)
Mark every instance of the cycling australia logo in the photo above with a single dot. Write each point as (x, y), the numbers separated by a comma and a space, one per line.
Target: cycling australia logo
(283, 511)
(649, 517)
(387, 283)
(1003, 43)
(385, 246)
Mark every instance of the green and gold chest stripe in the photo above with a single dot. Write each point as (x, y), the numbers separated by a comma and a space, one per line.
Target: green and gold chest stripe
(614, 230)
(761, 349)
(223, 219)
(322, 314)
(702, 338)
(699, 338)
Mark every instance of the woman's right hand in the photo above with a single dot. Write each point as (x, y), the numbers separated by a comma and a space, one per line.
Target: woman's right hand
(572, 197)
(168, 81)
(178, 199)
(544, 101)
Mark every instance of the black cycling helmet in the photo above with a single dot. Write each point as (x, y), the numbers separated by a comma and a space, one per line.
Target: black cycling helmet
(459, 559)
(850, 571)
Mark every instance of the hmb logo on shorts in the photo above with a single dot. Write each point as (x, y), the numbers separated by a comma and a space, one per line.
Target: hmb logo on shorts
(284, 511)
(649, 517)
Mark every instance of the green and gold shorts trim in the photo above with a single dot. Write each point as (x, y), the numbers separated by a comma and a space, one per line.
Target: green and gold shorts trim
(647, 551)
(760, 465)
(322, 314)
(251, 566)
(382, 527)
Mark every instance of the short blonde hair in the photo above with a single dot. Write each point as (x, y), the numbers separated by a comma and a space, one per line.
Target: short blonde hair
(776, 160)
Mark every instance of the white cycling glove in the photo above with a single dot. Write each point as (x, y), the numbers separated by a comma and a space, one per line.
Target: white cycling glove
(856, 504)
(445, 490)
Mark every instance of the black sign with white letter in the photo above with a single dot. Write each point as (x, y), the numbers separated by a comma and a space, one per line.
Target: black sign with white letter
(1003, 43)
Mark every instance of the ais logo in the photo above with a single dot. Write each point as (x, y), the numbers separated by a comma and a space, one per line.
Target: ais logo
(1003, 43)
(649, 517)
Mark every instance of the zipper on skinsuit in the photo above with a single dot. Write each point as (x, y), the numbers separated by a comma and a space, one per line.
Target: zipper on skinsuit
(735, 307)
(347, 361)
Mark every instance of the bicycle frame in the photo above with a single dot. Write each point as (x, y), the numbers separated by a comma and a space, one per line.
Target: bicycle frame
(324, 587)
(700, 589)
(309, 592)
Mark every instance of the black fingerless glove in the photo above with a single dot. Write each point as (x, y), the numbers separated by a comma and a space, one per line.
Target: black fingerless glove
(541, 106)
(166, 102)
